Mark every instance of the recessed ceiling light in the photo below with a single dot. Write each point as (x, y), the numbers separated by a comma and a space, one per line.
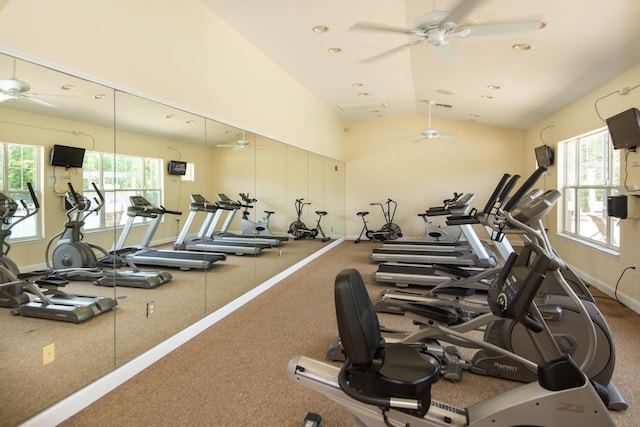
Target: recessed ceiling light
(320, 29)
(357, 84)
(486, 97)
(190, 121)
(170, 116)
(474, 116)
(363, 94)
(521, 46)
(99, 96)
(68, 87)
(494, 87)
(334, 50)
(446, 92)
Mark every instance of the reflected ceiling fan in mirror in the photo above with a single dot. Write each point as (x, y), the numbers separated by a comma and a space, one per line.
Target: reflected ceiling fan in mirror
(238, 145)
(437, 27)
(431, 133)
(15, 88)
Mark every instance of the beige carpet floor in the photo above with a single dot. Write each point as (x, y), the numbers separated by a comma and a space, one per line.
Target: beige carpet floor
(233, 374)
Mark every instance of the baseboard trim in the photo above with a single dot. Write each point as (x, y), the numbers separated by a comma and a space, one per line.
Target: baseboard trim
(84, 397)
(608, 290)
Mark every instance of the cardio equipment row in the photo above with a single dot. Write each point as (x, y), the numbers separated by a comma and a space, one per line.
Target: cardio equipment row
(68, 256)
(541, 327)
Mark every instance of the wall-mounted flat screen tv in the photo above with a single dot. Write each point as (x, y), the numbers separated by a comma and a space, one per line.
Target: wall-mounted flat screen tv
(544, 155)
(177, 167)
(624, 129)
(67, 157)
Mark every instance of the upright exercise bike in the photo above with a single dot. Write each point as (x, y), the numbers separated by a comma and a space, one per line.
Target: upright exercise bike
(256, 228)
(298, 228)
(389, 231)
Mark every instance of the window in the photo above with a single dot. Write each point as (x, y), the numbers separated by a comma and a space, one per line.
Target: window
(119, 177)
(589, 173)
(21, 165)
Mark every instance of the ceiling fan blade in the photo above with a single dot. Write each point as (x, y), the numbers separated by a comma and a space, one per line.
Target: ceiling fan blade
(499, 28)
(225, 145)
(39, 101)
(390, 51)
(374, 26)
(458, 14)
(448, 135)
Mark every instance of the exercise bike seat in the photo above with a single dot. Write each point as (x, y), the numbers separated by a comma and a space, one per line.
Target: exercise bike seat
(372, 374)
(364, 213)
(321, 213)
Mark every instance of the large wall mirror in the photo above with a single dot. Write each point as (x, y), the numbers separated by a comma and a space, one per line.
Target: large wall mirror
(169, 160)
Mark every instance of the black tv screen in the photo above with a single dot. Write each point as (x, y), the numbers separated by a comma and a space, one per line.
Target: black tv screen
(67, 157)
(544, 155)
(624, 129)
(177, 167)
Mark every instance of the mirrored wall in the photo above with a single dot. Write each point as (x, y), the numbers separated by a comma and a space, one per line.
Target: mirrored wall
(158, 229)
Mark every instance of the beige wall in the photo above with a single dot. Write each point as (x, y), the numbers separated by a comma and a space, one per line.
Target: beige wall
(178, 52)
(576, 119)
(384, 162)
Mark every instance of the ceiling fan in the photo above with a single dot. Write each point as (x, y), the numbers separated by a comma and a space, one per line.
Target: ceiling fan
(431, 133)
(238, 145)
(436, 27)
(15, 88)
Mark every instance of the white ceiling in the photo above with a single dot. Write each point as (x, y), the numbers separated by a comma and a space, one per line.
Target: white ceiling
(584, 44)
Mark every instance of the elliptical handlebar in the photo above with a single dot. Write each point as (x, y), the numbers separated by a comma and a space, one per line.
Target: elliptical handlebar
(519, 194)
(497, 192)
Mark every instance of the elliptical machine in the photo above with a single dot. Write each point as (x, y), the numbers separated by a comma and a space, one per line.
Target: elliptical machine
(50, 302)
(75, 258)
(389, 231)
(72, 255)
(299, 229)
(386, 384)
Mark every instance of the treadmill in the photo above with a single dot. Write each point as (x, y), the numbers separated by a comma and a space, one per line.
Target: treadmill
(202, 241)
(531, 209)
(143, 254)
(471, 252)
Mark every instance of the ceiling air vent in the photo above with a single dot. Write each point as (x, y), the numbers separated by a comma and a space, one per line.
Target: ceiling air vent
(443, 105)
(359, 108)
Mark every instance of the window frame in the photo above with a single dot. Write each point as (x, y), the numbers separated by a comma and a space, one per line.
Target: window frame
(576, 182)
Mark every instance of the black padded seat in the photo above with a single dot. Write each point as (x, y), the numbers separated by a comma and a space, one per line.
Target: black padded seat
(374, 372)
(406, 373)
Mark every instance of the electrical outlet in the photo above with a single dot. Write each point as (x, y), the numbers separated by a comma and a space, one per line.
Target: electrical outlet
(151, 307)
(48, 354)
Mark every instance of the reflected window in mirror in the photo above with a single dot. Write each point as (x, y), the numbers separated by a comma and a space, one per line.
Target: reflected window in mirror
(120, 177)
(20, 165)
